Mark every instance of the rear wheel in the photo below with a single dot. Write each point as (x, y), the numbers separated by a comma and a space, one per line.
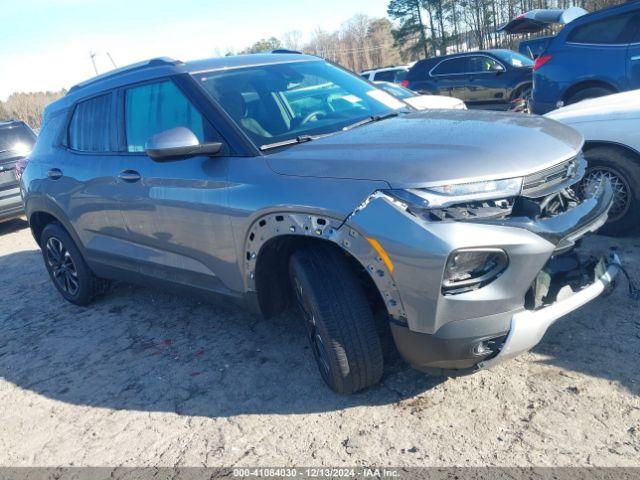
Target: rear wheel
(339, 322)
(622, 169)
(68, 270)
(593, 92)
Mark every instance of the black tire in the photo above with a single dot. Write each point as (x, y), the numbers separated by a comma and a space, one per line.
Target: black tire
(622, 168)
(593, 92)
(340, 324)
(68, 271)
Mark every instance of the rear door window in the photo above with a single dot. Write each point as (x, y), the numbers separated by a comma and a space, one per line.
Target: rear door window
(91, 125)
(609, 31)
(454, 66)
(153, 108)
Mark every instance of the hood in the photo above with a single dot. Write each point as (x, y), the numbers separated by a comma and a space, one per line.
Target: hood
(423, 102)
(620, 106)
(432, 147)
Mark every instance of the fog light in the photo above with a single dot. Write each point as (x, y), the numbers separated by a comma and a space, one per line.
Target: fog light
(471, 269)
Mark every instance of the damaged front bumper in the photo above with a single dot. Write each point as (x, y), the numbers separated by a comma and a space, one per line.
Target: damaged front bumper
(475, 329)
(528, 327)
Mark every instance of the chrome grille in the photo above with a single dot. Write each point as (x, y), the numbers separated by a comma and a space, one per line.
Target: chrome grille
(545, 181)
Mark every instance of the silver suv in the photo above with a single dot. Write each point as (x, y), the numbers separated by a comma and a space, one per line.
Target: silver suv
(281, 178)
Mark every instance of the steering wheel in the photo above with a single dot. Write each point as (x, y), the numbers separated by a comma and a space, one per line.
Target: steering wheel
(315, 114)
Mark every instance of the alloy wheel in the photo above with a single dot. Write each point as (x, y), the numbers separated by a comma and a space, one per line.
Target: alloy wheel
(621, 190)
(62, 266)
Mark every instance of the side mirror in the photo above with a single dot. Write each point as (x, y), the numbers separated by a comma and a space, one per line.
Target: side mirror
(178, 143)
(498, 69)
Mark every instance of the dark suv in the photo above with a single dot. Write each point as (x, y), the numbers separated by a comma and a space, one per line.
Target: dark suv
(489, 78)
(594, 55)
(281, 177)
(16, 141)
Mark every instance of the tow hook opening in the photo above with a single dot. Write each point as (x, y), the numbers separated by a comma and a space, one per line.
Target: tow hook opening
(488, 348)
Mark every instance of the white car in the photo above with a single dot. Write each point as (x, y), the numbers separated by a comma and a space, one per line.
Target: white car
(611, 128)
(421, 102)
(393, 74)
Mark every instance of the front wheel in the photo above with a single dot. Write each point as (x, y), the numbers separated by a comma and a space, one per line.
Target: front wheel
(339, 322)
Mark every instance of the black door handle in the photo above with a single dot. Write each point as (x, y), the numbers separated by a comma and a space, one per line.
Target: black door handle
(54, 173)
(130, 176)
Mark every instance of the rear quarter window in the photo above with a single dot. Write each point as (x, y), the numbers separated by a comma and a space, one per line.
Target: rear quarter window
(420, 71)
(91, 125)
(51, 132)
(608, 31)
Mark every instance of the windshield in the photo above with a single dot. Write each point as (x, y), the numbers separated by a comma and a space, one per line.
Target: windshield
(514, 59)
(281, 102)
(396, 90)
(16, 137)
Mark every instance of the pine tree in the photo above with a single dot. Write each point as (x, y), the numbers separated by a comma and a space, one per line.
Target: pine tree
(411, 25)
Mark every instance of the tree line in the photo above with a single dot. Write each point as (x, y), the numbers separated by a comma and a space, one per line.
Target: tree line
(28, 107)
(362, 42)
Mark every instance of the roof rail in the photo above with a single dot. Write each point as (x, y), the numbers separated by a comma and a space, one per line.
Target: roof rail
(154, 62)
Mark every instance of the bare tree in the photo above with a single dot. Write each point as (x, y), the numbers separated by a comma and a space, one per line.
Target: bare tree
(29, 107)
(293, 40)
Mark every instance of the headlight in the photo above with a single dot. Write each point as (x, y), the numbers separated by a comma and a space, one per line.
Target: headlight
(447, 195)
(471, 269)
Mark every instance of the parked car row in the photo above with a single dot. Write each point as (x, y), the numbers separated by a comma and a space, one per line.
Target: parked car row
(595, 54)
(283, 179)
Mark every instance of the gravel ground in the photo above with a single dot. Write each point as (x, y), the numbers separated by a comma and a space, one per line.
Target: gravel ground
(146, 378)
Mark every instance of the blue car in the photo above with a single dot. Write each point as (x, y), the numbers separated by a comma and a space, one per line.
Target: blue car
(593, 55)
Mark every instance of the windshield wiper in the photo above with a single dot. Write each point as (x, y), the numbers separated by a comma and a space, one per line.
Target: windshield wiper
(370, 119)
(291, 141)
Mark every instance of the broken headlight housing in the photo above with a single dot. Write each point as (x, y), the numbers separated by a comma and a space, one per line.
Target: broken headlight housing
(458, 193)
(470, 269)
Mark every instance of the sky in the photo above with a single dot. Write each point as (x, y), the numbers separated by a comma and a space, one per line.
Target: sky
(46, 45)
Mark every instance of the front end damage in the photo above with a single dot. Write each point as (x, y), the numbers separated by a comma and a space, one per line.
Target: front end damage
(481, 281)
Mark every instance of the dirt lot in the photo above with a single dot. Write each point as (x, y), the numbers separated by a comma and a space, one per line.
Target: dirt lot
(145, 378)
